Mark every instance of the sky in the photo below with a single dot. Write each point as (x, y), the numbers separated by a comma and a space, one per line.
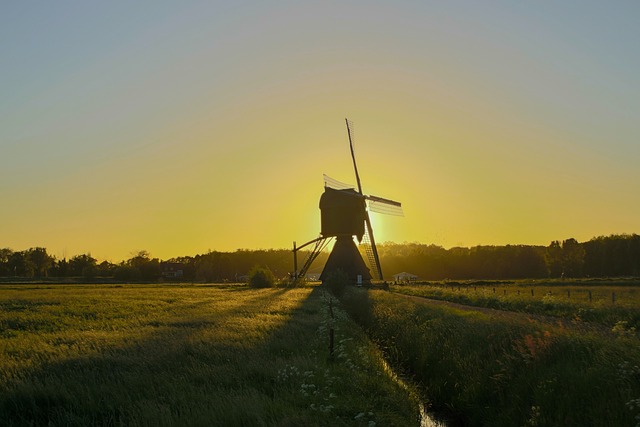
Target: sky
(183, 127)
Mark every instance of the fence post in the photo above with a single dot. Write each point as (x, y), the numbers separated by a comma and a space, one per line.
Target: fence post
(568, 294)
(531, 291)
(331, 342)
(613, 297)
(589, 296)
(331, 329)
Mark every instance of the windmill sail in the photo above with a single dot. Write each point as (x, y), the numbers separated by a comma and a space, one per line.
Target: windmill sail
(384, 206)
(335, 184)
(369, 245)
(353, 156)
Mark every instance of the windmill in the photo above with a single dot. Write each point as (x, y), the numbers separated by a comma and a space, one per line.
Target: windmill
(344, 213)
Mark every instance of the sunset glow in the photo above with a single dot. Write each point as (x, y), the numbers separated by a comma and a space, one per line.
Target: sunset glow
(181, 128)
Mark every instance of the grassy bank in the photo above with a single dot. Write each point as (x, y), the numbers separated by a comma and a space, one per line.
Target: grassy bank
(192, 355)
(505, 371)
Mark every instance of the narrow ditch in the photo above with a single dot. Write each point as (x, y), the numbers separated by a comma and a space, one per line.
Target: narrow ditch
(425, 418)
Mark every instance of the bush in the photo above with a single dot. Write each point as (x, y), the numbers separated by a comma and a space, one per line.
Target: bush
(337, 282)
(261, 277)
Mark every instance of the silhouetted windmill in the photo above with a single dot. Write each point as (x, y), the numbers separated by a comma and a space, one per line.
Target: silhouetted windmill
(344, 213)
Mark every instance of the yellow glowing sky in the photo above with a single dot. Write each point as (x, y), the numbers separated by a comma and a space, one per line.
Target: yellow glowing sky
(179, 128)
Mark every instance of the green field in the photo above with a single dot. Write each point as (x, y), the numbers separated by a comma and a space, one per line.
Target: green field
(153, 355)
(606, 303)
(229, 355)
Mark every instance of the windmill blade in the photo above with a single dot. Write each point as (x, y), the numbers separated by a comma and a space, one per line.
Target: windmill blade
(384, 206)
(335, 184)
(353, 156)
(370, 248)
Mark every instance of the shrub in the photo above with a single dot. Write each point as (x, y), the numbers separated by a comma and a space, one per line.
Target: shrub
(261, 277)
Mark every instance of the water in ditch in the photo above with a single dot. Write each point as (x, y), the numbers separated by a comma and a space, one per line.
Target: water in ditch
(425, 418)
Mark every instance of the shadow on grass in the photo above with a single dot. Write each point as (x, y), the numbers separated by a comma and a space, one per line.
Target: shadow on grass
(199, 366)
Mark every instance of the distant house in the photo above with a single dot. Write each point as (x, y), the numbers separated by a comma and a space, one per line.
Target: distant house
(404, 277)
(172, 270)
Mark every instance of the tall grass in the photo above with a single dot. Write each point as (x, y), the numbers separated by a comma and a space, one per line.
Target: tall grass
(192, 355)
(499, 371)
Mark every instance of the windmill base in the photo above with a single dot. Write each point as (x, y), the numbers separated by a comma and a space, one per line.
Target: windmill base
(345, 256)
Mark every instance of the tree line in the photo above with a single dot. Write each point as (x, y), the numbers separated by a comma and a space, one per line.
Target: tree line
(605, 256)
(141, 267)
(615, 255)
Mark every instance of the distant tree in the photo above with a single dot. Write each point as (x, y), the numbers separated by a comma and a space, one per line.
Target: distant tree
(138, 259)
(60, 268)
(615, 255)
(148, 269)
(106, 269)
(553, 258)
(20, 265)
(126, 273)
(205, 271)
(83, 265)
(40, 261)
(573, 255)
(151, 270)
(527, 262)
(5, 255)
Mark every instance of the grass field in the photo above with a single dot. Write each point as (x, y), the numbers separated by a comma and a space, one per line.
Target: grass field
(609, 304)
(489, 367)
(188, 355)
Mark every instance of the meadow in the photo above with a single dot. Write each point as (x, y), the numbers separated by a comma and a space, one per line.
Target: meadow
(167, 355)
(608, 303)
(500, 368)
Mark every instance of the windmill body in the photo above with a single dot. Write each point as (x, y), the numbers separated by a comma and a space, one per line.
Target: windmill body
(344, 214)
